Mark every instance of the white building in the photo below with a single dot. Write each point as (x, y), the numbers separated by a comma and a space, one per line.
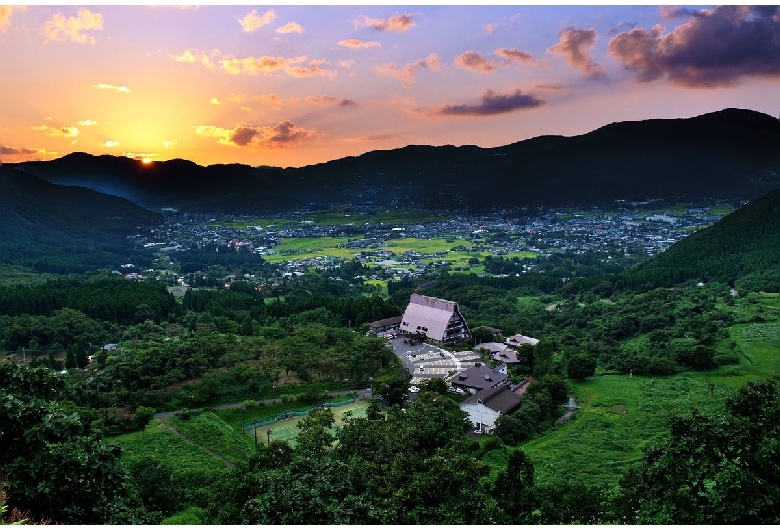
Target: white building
(486, 406)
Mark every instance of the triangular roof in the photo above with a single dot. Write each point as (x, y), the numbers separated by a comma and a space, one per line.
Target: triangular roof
(428, 316)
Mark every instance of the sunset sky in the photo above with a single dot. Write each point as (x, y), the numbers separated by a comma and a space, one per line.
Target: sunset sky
(297, 85)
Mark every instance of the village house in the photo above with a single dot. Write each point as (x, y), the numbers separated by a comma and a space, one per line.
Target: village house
(515, 341)
(486, 406)
(434, 319)
(384, 326)
(476, 378)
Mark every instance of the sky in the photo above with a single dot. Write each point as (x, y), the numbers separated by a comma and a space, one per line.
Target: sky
(295, 85)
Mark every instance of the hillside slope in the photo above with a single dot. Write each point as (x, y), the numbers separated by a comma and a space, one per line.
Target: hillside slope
(742, 249)
(63, 228)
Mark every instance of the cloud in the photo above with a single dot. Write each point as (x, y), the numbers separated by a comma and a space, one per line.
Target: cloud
(328, 100)
(215, 101)
(491, 28)
(714, 47)
(669, 13)
(61, 132)
(397, 23)
(358, 44)
(549, 86)
(60, 28)
(24, 154)
(193, 56)
(407, 73)
(621, 25)
(473, 61)
(87, 123)
(279, 136)
(290, 27)
(104, 86)
(574, 44)
(295, 66)
(252, 21)
(347, 63)
(8, 150)
(140, 156)
(5, 15)
(111, 143)
(491, 104)
(168, 144)
(314, 68)
(513, 55)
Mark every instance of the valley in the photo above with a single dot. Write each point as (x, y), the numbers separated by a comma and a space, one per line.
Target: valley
(142, 335)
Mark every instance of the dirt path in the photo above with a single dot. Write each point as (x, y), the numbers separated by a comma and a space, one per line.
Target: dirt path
(227, 462)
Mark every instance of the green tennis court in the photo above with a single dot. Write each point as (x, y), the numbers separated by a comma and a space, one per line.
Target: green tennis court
(287, 430)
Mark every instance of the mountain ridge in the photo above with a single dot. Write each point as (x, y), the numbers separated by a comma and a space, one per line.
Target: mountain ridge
(729, 154)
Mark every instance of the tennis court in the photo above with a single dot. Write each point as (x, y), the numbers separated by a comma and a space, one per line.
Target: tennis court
(287, 429)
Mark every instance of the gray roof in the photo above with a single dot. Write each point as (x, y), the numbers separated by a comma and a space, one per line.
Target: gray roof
(478, 377)
(519, 340)
(392, 321)
(500, 398)
(508, 356)
(492, 347)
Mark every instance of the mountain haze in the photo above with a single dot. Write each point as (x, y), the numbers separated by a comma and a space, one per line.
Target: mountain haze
(43, 223)
(731, 154)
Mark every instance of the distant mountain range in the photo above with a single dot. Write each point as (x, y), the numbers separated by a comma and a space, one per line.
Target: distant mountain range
(731, 154)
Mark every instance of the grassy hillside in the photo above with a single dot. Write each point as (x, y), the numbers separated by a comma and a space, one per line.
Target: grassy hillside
(620, 415)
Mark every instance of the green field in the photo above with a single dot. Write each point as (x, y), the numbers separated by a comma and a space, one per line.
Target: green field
(620, 415)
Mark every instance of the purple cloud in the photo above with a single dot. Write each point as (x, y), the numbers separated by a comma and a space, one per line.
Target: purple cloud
(491, 104)
(713, 48)
(574, 44)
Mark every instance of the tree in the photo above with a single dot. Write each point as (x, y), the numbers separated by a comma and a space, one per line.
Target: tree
(314, 435)
(719, 469)
(581, 366)
(53, 469)
(514, 488)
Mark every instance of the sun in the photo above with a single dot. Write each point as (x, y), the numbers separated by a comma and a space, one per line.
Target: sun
(146, 160)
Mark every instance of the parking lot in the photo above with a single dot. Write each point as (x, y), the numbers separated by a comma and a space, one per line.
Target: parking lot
(425, 361)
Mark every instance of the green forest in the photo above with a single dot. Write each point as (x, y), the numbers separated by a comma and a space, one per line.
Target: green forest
(125, 404)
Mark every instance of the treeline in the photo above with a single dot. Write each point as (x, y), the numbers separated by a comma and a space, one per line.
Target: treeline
(238, 304)
(100, 297)
(302, 350)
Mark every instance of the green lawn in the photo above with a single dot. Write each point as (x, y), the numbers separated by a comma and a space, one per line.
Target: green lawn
(620, 415)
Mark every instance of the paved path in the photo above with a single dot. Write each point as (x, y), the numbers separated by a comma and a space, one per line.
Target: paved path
(364, 393)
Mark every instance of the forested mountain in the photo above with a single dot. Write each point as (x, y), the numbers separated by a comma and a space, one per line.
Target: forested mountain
(63, 229)
(742, 249)
(731, 154)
